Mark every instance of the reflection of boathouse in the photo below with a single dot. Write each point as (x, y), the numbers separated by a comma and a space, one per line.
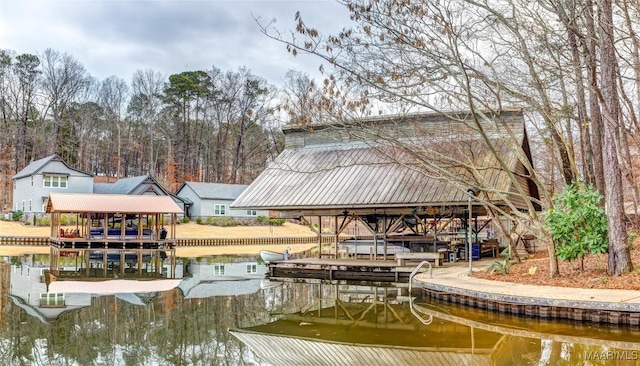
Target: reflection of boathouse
(112, 236)
(28, 290)
(365, 325)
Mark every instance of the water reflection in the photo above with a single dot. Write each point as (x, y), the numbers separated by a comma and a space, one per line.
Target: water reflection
(224, 312)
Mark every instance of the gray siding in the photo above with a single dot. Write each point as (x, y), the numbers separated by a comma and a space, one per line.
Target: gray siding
(31, 188)
(211, 194)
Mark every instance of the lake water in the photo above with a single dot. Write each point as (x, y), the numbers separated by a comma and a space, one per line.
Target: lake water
(222, 311)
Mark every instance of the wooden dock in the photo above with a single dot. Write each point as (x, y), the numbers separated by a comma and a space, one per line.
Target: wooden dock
(342, 269)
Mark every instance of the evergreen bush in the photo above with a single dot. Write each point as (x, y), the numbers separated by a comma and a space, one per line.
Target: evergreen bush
(577, 223)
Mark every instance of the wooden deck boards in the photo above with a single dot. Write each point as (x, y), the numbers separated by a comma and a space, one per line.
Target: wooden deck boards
(341, 269)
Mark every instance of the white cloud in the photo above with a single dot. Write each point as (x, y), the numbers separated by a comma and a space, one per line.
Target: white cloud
(118, 37)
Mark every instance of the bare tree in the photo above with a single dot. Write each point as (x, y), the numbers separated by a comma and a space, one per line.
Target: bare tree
(442, 57)
(113, 97)
(145, 105)
(22, 95)
(63, 79)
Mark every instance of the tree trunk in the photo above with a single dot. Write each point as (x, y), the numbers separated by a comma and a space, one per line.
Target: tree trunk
(594, 106)
(619, 257)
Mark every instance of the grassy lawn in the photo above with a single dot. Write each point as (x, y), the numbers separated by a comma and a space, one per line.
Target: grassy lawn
(190, 230)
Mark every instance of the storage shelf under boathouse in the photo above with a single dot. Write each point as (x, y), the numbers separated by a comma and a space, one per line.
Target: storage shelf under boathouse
(112, 236)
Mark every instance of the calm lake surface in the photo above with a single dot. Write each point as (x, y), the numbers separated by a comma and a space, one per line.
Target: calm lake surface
(222, 311)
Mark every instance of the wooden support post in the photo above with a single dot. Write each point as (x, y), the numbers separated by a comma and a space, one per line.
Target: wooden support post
(173, 263)
(122, 262)
(319, 236)
(105, 262)
(123, 227)
(384, 236)
(335, 239)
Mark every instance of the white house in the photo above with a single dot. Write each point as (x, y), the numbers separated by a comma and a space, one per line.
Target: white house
(222, 279)
(32, 185)
(214, 199)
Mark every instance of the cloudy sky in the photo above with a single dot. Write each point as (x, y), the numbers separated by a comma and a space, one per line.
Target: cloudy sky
(118, 37)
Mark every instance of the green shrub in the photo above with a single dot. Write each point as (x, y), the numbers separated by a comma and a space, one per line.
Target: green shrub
(199, 220)
(276, 222)
(266, 220)
(224, 221)
(43, 221)
(185, 220)
(501, 266)
(67, 220)
(577, 224)
(17, 215)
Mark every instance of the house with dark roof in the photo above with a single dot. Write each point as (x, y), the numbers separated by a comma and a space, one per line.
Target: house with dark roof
(140, 185)
(33, 184)
(214, 199)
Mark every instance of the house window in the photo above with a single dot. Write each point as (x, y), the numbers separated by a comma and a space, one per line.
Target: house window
(252, 268)
(219, 210)
(30, 206)
(55, 181)
(23, 205)
(32, 181)
(252, 213)
(52, 299)
(218, 269)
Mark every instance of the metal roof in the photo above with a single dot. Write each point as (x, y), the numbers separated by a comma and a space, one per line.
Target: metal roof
(280, 349)
(214, 191)
(113, 286)
(111, 203)
(435, 167)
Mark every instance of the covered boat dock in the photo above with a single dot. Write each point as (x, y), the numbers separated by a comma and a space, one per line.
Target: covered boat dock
(112, 236)
(451, 183)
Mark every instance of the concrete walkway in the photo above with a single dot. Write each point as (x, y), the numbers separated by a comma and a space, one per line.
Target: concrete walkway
(454, 279)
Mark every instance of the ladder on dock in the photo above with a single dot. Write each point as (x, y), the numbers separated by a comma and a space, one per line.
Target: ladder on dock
(413, 311)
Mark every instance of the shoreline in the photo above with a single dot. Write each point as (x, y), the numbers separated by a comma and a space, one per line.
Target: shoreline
(598, 306)
(181, 252)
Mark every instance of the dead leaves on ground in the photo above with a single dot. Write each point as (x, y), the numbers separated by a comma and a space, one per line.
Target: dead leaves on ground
(535, 271)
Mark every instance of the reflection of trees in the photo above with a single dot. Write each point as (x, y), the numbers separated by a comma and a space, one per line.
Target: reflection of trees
(173, 330)
(169, 330)
(18, 336)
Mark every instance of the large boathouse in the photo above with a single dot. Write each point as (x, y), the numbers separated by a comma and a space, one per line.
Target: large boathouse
(421, 181)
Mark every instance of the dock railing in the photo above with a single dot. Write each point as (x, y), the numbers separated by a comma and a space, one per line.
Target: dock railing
(413, 273)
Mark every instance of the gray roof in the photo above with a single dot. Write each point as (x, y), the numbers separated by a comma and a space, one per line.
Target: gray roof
(121, 186)
(135, 185)
(325, 168)
(215, 191)
(281, 349)
(37, 165)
